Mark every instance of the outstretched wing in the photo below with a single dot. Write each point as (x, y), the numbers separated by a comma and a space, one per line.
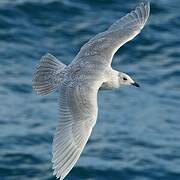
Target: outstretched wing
(78, 114)
(101, 48)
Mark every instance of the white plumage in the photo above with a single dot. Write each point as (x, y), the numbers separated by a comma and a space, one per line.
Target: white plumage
(80, 82)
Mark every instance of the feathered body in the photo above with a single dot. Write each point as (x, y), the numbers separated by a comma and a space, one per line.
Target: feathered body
(79, 83)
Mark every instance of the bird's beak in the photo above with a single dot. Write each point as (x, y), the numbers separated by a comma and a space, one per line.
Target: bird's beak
(135, 84)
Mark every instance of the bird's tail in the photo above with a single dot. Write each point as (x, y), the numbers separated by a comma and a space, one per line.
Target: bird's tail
(46, 79)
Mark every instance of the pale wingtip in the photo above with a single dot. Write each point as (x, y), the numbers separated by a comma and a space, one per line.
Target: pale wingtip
(146, 3)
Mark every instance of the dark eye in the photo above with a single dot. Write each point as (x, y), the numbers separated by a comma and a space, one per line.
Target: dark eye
(124, 78)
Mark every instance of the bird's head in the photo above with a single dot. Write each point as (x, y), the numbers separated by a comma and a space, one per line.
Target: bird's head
(125, 79)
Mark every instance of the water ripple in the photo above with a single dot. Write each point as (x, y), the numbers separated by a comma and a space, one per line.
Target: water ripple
(137, 132)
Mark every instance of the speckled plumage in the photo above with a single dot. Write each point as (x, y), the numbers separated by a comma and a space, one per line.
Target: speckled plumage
(80, 82)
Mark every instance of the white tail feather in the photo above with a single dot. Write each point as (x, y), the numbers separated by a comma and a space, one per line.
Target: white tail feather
(45, 79)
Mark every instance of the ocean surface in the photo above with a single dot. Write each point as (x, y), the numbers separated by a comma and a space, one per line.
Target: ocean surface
(137, 135)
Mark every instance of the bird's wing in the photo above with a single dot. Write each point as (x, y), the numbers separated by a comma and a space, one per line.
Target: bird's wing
(101, 48)
(78, 114)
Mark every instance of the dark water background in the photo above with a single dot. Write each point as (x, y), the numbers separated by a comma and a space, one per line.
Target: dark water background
(137, 136)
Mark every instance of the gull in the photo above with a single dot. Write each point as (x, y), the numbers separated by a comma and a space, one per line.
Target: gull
(79, 83)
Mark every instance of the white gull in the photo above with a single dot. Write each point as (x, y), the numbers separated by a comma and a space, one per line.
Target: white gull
(79, 83)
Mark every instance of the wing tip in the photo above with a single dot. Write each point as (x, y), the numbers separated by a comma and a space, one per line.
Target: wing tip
(57, 175)
(143, 9)
(146, 4)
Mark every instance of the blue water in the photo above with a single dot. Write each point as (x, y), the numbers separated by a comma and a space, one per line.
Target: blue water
(137, 135)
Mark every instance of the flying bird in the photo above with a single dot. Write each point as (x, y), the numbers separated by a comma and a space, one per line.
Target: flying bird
(79, 83)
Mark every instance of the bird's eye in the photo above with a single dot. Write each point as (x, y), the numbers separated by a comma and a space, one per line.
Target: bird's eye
(124, 78)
